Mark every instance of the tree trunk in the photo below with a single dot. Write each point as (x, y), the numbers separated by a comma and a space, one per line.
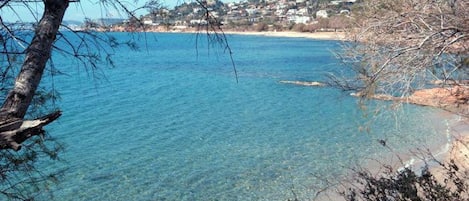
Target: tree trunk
(19, 98)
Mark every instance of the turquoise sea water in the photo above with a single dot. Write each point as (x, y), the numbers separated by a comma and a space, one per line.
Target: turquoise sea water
(170, 122)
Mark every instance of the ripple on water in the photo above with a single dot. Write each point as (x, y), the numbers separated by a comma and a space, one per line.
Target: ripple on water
(164, 128)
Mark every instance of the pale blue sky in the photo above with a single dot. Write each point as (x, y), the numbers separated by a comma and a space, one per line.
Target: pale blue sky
(77, 11)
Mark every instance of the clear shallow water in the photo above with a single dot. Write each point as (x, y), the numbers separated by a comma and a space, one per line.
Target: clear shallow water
(171, 123)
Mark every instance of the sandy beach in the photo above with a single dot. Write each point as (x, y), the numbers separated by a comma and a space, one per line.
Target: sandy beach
(459, 151)
(313, 35)
(459, 130)
(322, 35)
(456, 149)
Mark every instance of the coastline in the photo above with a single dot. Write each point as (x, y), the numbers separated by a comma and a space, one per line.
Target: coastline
(289, 34)
(451, 110)
(454, 112)
(459, 148)
(320, 35)
(454, 152)
(456, 148)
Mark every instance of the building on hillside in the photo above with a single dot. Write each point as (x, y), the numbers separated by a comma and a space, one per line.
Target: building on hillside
(322, 14)
(198, 22)
(335, 3)
(299, 19)
(252, 11)
(147, 20)
(303, 11)
(291, 12)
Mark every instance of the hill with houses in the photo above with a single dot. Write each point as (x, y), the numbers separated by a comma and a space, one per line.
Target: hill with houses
(252, 15)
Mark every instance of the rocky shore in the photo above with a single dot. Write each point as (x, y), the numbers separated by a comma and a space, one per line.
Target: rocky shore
(454, 99)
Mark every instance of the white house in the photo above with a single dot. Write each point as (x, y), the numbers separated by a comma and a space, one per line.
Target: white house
(303, 11)
(335, 3)
(148, 22)
(322, 14)
(196, 10)
(291, 11)
(198, 22)
(252, 11)
(299, 19)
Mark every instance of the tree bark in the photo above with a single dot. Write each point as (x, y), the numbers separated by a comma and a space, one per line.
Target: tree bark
(17, 131)
(19, 98)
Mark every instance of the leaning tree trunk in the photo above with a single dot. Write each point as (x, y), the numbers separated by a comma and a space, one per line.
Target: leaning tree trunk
(13, 129)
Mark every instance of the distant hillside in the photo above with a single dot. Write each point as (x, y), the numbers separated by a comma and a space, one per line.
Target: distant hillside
(108, 21)
(72, 22)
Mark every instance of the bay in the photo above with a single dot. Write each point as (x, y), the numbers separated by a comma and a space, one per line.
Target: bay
(170, 122)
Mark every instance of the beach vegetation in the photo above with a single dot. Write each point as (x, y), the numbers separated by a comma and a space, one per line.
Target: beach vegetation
(298, 27)
(408, 184)
(409, 52)
(398, 48)
(261, 27)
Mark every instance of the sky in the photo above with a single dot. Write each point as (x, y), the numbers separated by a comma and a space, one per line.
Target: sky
(77, 10)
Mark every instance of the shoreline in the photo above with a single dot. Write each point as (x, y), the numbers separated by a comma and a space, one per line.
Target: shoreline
(455, 147)
(450, 111)
(320, 35)
(457, 132)
(459, 145)
(454, 151)
(340, 36)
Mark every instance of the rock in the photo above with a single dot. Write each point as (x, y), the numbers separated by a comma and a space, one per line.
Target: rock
(454, 99)
(303, 83)
(441, 96)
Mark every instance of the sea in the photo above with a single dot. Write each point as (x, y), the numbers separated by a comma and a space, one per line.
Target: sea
(173, 120)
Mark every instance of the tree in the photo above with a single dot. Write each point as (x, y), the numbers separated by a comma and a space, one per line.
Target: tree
(14, 129)
(405, 45)
(25, 54)
(409, 185)
(261, 26)
(398, 50)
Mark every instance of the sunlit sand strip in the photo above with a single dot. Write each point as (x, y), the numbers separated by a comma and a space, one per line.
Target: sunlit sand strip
(314, 35)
